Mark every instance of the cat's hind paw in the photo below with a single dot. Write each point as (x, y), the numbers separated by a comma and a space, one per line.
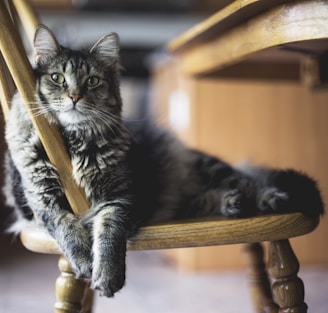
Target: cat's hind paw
(273, 200)
(291, 191)
(231, 205)
(304, 193)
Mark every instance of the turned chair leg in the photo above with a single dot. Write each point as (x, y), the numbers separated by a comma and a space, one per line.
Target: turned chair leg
(258, 279)
(288, 288)
(73, 295)
(87, 302)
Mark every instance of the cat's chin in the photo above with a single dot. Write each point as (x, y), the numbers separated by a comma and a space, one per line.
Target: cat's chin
(71, 117)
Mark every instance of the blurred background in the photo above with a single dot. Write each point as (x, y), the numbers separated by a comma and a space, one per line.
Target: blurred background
(144, 27)
(203, 113)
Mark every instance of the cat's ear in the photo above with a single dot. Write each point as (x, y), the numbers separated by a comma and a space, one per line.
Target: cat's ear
(45, 45)
(107, 48)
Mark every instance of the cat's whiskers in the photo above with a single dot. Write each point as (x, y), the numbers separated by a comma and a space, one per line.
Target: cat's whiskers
(31, 104)
(108, 124)
(107, 119)
(113, 121)
(39, 110)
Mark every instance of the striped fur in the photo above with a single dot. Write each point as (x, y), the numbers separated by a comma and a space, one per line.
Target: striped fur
(132, 173)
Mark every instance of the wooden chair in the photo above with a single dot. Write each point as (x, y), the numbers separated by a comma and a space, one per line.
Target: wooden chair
(74, 295)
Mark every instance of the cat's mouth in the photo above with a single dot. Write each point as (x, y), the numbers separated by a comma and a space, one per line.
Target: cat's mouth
(73, 109)
(72, 115)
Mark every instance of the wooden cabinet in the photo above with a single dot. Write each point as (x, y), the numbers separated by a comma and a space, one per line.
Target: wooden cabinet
(276, 123)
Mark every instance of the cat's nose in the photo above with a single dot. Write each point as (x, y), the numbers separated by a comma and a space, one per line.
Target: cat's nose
(75, 98)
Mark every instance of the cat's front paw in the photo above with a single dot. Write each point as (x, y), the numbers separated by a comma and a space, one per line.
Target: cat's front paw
(76, 246)
(81, 264)
(108, 278)
(273, 200)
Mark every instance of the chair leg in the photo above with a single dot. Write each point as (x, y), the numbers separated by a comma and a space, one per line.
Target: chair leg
(73, 295)
(288, 288)
(87, 301)
(258, 279)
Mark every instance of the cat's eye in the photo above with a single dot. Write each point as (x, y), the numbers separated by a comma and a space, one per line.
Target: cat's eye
(58, 78)
(93, 81)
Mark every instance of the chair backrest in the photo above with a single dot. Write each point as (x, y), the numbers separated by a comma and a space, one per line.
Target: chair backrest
(14, 64)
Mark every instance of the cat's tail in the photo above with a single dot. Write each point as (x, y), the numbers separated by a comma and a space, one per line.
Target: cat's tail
(303, 191)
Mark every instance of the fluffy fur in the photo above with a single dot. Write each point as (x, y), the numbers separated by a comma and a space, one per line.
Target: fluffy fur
(132, 173)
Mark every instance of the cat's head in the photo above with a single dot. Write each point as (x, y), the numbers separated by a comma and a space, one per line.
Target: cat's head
(78, 86)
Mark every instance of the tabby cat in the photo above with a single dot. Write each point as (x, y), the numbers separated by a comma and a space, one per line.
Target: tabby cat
(132, 173)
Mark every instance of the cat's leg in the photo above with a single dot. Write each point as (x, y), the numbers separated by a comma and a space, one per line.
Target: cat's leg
(44, 194)
(231, 199)
(109, 227)
(226, 191)
(43, 190)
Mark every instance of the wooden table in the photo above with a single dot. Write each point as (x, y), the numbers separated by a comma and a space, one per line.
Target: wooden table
(258, 38)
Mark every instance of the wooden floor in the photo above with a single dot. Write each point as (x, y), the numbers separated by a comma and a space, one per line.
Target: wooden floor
(153, 285)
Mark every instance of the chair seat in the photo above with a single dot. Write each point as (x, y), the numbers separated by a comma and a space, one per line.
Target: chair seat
(195, 232)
